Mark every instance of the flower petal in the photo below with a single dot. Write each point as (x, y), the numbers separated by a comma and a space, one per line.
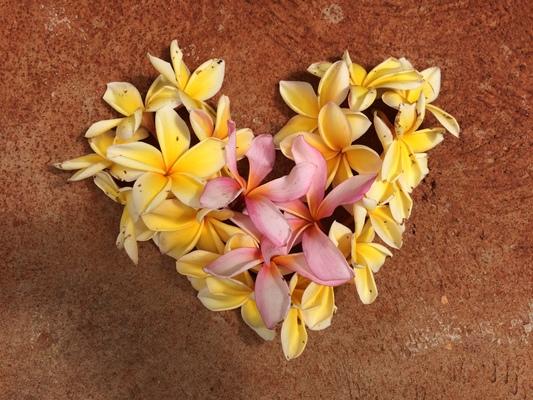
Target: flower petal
(187, 188)
(223, 116)
(333, 127)
(325, 261)
(164, 68)
(300, 96)
(318, 306)
(137, 155)
(289, 187)
(271, 295)
(172, 134)
(178, 243)
(363, 159)
(180, 69)
(102, 126)
(365, 285)
(392, 162)
(170, 215)
(348, 192)
(268, 220)
(219, 192)
(447, 120)
(386, 227)
(123, 97)
(361, 98)
(193, 264)
(313, 139)
(251, 316)
(234, 262)
(261, 156)
(149, 191)
(319, 68)
(206, 80)
(334, 85)
(201, 123)
(202, 160)
(423, 140)
(236, 296)
(341, 236)
(298, 123)
(162, 93)
(372, 255)
(244, 222)
(243, 138)
(431, 86)
(293, 334)
(383, 130)
(106, 184)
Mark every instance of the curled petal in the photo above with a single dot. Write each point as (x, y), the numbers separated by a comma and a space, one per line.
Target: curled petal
(234, 262)
(293, 334)
(299, 96)
(202, 123)
(123, 97)
(446, 119)
(361, 98)
(318, 306)
(271, 295)
(102, 126)
(261, 156)
(219, 192)
(348, 192)
(164, 68)
(365, 285)
(289, 187)
(268, 219)
(251, 316)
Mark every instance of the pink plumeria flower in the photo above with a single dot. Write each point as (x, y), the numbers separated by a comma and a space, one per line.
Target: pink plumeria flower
(321, 262)
(260, 200)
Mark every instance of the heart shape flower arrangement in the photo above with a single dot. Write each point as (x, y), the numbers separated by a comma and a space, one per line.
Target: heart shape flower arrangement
(271, 248)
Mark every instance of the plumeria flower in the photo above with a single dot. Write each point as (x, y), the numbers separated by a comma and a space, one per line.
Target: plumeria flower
(181, 228)
(324, 263)
(365, 256)
(403, 141)
(174, 168)
(125, 99)
(301, 97)
(91, 164)
(204, 127)
(312, 306)
(131, 230)
(390, 74)
(260, 199)
(176, 85)
(430, 89)
(337, 130)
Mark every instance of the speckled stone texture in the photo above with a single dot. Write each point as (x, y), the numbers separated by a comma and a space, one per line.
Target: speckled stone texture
(454, 316)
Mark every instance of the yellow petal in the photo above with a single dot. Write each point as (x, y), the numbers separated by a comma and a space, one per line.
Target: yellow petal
(447, 120)
(228, 287)
(400, 205)
(170, 215)
(359, 217)
(149, 191)
(300, 96)
(392, 99)
(362, 159)
(138, 155)
(123, 97)
(359, 123)
(333, 127)
(372, 255)
(172, 134)
(405, 119)
(392, 162)
(225, 231)
(380, 191)
(164, 68)
(106, 184)
(223, 116)
(361, 98)
(318, 305)
(201, 123)
(431, 86)
(129, 125)
(89, 171)
(298, 123)
(423, 140)
(162, 93)
(126, 238)
(178, 243)
(293, 334)
(251, 316)
(386, 227)
(334, 85)
(180, 69)
(365, 285)
(210, 240)
(313, 139)
(223, 294)
(319, 68)
(202, 160)
(343, 170)
(101, 143)
(341, 236)
(240, 240)
(388, 66)
(102, 126)
(244, 139)
(402, 80)
(383, 130)
(125, 174)
(187, 188)
(197, 283)
(192, 264)
(206, 80)
(413, 175)
(79, 162)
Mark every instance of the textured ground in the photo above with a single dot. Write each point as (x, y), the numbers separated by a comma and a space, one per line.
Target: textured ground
(454, 317)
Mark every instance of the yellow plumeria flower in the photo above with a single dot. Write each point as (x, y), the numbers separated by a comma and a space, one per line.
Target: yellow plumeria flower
(126, 99)
(180, 228)
(90, 164)
(312, 305)
(391, 74)
(204, 127)
(403, 142)
(430, 89)
(365, 256)
(174, 168)
(301, 97)
(131, 231)
(176, 85)
(219, 294)
(337, 130)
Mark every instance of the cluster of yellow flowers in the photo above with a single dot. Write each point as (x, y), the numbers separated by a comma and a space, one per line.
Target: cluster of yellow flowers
(260, 247)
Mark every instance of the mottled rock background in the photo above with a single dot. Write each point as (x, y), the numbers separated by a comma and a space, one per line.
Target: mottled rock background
(454, 316)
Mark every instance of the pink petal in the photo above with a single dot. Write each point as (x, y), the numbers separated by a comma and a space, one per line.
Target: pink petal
(261, 156)
(296, 208)
(326, 263)
(297, 263)
(303, 151)
(271, 295)
(219, 192)
(234, 262)
(289, 187)
(298, 226)
(231, 153)
(269, 250)
(244, 222)
(268, 219)
(348, 192)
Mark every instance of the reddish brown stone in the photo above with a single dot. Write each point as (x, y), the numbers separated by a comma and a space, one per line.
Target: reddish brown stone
(455, 312)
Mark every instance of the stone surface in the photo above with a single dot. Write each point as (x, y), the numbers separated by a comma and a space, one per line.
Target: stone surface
(455, 312)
